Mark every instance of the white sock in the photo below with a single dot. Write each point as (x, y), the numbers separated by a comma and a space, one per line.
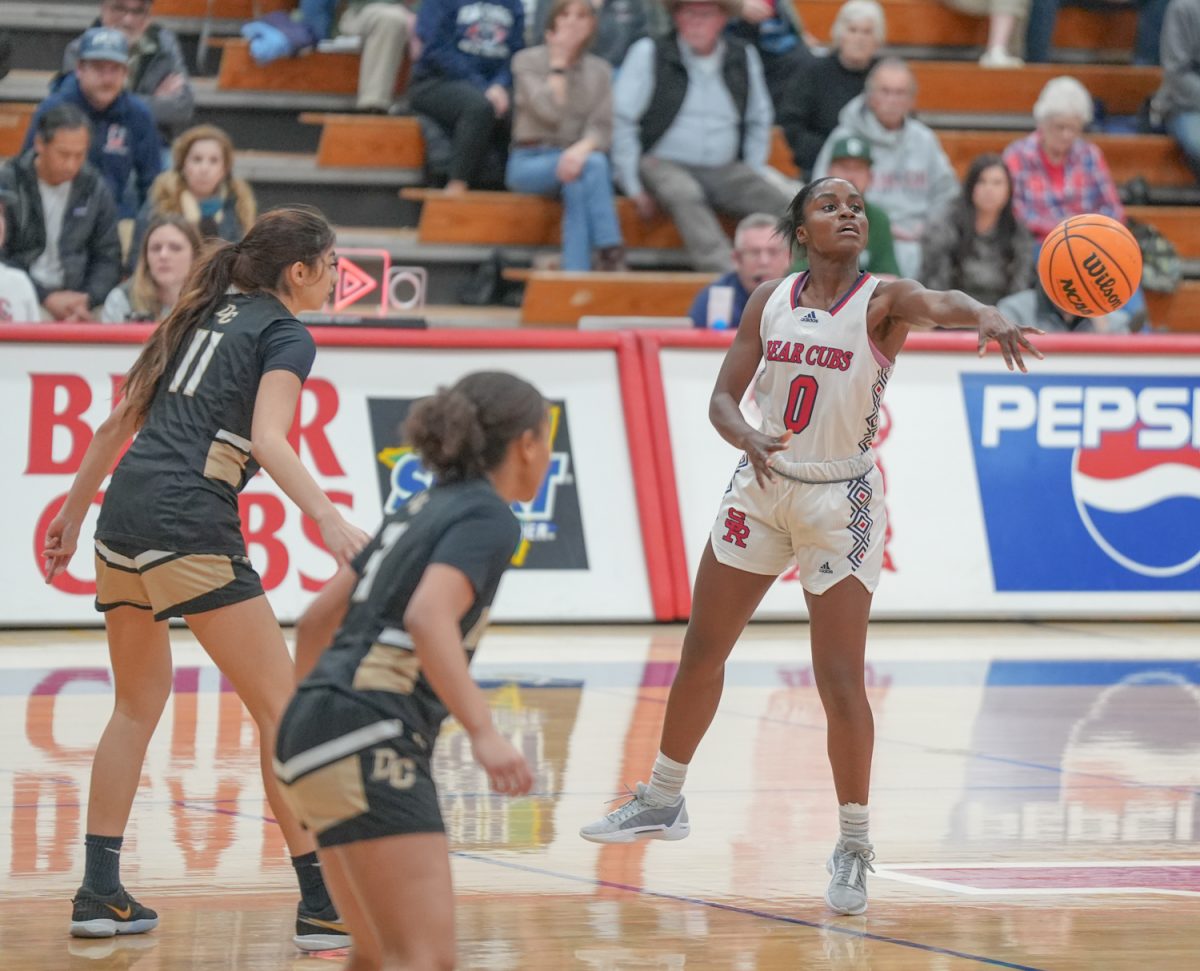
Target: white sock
(666, 780)
(852, 821)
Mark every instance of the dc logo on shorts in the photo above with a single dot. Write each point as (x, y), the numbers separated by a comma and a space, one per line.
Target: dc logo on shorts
(1088, 482)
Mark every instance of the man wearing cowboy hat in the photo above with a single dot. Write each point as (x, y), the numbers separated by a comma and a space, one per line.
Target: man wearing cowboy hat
(692, 127)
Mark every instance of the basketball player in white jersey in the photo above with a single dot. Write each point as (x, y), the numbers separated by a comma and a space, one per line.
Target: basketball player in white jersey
(806, 491)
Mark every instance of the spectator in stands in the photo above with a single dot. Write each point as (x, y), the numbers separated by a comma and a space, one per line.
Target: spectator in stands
(1056, 171)
(1032, 308)
(201, 187)
(157, 70)
(62, 228)
(823, 86)
(850, 159)
(618, 24)
(168, 250)
(911, 176)
(18, 298)
(1177, 102)
(1044, 13)
(463, 80)
(775, 30)
(385, 27)
(692, 127)
(759, 254)
(976, 244)
(562, 128)
(125, 142)
(1003, 17)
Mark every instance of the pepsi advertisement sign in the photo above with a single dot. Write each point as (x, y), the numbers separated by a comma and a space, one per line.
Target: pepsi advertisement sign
(1088, 483)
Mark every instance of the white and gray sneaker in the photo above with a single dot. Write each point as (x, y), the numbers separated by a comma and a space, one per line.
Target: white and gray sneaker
(848, 865)
(640, 819)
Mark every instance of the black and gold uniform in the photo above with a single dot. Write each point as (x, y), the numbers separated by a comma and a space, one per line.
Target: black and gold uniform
(169, 537)
(354, 746)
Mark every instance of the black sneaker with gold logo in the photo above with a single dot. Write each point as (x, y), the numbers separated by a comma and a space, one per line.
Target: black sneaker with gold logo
(319, 930)
(97, 915)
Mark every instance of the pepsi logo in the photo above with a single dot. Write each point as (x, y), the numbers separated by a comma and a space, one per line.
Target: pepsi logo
(1140, 506)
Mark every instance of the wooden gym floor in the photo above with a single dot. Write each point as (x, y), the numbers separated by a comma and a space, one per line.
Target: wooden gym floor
(1035, 805)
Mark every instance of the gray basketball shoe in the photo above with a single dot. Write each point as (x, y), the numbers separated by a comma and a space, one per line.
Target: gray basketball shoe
(640, 819)
(848, 865)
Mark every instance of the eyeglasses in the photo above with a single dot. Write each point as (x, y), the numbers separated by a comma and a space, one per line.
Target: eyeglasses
(134, 12)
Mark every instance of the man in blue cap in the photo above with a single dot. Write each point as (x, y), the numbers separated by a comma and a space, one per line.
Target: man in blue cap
(125, 143)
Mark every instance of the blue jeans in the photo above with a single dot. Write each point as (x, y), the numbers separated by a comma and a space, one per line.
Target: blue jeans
(589, 213)
(1043, 14)
(1184, 127)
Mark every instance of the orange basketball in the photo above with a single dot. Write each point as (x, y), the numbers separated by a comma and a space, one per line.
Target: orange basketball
(1090, 265)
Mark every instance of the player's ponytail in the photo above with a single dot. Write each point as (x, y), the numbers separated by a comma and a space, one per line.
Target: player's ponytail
(257, 264)
(464, 432)
(793, 217)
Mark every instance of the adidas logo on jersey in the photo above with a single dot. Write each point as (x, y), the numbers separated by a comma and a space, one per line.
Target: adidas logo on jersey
(825, 568)
(809, 318)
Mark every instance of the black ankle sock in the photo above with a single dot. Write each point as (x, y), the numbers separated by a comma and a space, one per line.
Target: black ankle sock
(102, 863)
(312, 884)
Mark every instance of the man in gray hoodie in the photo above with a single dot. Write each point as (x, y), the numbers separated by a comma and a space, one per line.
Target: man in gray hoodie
(911, 176)
(1177, 103)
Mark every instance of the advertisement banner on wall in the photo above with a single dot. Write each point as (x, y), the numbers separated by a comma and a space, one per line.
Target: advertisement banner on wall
(582, 554)
(1073, 491)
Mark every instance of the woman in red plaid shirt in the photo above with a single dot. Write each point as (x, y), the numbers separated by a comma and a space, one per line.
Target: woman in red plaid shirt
(1057, 172)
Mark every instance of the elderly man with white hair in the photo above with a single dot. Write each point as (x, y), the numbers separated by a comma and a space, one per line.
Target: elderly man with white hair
(819, 91)
(1056, 172)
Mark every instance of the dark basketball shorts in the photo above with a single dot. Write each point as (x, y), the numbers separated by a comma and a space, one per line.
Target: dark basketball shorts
(171, 584)
(350, 775)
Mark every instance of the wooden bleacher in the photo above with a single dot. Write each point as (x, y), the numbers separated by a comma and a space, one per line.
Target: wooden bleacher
(515, 219)
(14, 121)
(315, 73)
(368, 141)
(1178, 312)
(225, 9)
(1156, 158)
(927, 23)
(557, 298)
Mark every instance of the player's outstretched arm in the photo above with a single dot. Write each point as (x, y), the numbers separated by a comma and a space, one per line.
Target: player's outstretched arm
(737, 370)
(274, 409)
(912, 306)
(432, 619)
(62, 536)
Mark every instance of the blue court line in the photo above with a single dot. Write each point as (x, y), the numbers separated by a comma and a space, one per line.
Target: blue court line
(961, 753)
(746, 911)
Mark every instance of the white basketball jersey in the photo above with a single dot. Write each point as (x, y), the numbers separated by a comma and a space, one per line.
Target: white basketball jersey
(821, 377)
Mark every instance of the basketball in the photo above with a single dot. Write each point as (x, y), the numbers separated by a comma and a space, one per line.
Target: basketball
(1090, 265)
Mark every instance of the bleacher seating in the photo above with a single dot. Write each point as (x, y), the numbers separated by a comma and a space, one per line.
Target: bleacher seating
(291, 118)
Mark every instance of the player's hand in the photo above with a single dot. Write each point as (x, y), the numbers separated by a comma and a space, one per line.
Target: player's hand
(62, 537)
(508, 772)
(759, 448)
(342, 539)
(996, 327)
(498, 95)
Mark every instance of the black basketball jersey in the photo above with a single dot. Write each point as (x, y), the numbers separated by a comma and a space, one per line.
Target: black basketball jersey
(465, 525)
(176, 488)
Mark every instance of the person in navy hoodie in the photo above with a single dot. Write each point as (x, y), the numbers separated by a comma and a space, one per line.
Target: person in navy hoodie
(463, 80)
(125, 142)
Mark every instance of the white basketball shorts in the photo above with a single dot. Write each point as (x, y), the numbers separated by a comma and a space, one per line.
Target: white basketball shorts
(830, 530)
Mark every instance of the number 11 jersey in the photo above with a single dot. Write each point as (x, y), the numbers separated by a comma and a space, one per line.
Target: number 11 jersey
(176, 487)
